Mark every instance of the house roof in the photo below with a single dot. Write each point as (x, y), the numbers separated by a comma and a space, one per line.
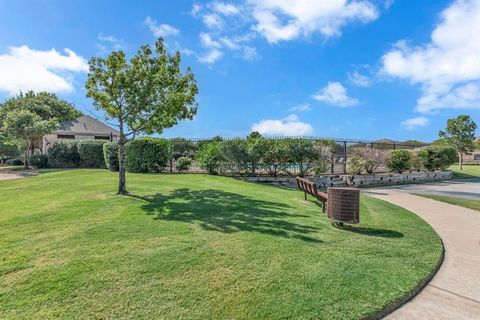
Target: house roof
(85, 124)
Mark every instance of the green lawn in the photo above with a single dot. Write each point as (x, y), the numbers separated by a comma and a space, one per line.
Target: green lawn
(469, 171)
(10, 168)
(197, 247)
(462, 202)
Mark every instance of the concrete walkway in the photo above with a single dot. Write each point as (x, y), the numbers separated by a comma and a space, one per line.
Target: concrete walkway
(454, 292)
(9, 175)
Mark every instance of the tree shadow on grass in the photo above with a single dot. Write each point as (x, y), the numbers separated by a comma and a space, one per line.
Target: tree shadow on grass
(227, 212)
(382, 233)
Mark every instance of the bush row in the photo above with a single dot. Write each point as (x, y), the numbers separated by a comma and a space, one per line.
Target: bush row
(273, 156)
(70, 154)
(428, 158)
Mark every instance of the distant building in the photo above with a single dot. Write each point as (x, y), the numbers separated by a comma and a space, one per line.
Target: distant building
(81, 128)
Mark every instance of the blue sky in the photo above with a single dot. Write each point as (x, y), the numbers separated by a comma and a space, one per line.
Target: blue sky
(364, 69)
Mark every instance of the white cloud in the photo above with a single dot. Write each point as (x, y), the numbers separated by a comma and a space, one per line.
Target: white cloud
(226, 9)
(282, 20)
(447, 67)
(359, 79)
(250, 53)
(300, 108)
(24, 69)
(161, 30)
(211, 56)
(212, 21)
(110, 41)
(335, 94)
(208, 42)
(416, 122)
(290, 126)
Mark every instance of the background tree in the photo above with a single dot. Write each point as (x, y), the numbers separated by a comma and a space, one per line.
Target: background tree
(7, 149)
(145, 95)
(45, 106)
(24, 127)
(460, 135)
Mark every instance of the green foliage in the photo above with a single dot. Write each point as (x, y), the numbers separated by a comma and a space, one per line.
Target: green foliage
(63, 154)
(210, 157)
(183, 164)
(45, 105)
(182, 147)
(437, 157)
(110, 154)
(148, 155)
(399, 161)
(369, 158)
(91, 153)
(460, 135)
(303, 154)
(39, 161)
(355, 164)
(416, 162)
(275, 156)
(14, 162)
(7, 149)
(147, 94)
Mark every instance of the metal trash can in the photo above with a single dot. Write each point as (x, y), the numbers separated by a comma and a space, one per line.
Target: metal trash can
(343, 205)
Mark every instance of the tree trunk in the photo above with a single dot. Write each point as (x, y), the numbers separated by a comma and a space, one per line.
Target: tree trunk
(25, 161)
(460, 160)
(122, 189)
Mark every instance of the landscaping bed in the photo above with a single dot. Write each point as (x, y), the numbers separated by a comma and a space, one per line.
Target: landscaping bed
(198, 247)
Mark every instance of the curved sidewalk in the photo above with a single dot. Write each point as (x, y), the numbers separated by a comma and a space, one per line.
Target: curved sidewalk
(454, 292)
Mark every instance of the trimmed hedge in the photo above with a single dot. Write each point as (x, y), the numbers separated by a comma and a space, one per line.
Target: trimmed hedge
(14, 162)
(110, 155)
(63, 154)
(437, 158)
(38, 161)
(74, 154)
(91, 153)
(147, 155)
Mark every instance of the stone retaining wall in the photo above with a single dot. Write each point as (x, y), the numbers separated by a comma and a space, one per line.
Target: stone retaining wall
(395, 178)
(357, 180)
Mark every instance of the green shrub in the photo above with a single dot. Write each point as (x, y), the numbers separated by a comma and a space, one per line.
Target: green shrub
(302, 153)
(417, 163)
(147, 155)
(110, 155)
(399, 161)
(38, 161)
(437, 157)
(210, 157)
(63, 154)
(355, 165)
(183, 164)
(275, 156)
(235, 155)
(91, 153)
(14, 162)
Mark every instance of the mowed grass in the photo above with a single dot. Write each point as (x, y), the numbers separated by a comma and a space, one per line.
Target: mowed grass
(469, 171)
(198, 247)
(462, 202)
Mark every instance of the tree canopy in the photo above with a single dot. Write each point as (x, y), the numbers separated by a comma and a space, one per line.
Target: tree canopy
(460, 135)
(146, 94)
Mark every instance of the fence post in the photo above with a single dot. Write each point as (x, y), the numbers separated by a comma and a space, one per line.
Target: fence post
(345, 157)
(394, 146)
(171, 158)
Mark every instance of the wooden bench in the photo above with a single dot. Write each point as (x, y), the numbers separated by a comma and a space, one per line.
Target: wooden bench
(310, 188)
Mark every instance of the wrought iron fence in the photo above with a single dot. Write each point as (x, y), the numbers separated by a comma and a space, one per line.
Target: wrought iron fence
(182, 147)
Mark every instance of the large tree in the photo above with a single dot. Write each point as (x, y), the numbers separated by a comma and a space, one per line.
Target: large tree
(460, 135)
(7, 149)
(17, 114)
(24, 127)
(144, 95)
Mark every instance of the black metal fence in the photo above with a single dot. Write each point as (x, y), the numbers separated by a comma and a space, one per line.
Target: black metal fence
(338, 164)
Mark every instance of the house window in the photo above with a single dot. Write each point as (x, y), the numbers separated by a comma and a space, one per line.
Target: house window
(102, 137)
(65, 136)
